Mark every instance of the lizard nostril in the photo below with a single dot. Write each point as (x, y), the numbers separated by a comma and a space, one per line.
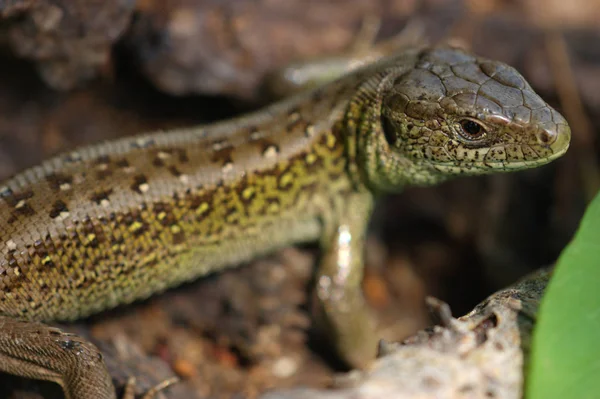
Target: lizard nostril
(546, 137)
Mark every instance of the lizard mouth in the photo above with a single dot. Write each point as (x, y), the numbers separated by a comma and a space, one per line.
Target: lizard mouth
(561, 144)
(549, 151)
(557, 149)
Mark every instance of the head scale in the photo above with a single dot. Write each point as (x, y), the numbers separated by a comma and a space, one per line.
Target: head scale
(450, 114)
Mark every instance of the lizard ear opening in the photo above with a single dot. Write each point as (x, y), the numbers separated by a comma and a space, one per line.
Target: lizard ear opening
(389, 131)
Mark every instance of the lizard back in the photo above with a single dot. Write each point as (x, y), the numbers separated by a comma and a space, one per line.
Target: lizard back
(118, 221)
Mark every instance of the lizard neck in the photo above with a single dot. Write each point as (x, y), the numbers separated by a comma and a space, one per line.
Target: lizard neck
(375, 161)
(366, 148)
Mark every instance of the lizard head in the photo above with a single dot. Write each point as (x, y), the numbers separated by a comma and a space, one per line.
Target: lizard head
(457, 114)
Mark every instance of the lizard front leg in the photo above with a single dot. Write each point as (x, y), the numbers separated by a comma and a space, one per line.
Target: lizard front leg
(339, 279)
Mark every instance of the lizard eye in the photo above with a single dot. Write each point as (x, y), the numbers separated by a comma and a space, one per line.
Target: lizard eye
(471, 130)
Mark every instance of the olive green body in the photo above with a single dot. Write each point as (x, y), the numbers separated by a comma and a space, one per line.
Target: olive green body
(119, 221)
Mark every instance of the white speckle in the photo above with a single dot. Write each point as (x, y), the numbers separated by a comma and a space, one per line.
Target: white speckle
(285, 367)
(102, 167)
(65, 186)
(255, 135)
(144, 142)
(344, 235)
(144, 187)
(344, 255)
(227, 167)
(5, 191)
(324, 283)
(310, 130)
(11, 245)
(219, 145)
(104, 203)
(294, 117)
(270, 152)
(129, 169)
(20, 204)
(75, 156)
(163, 155)
(185, 179)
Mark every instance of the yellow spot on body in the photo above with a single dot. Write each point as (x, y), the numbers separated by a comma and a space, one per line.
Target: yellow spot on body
(330, 140)
(144, 187)
(273, 207)
(294, 117)
(270, 152)
(161, 215)
(102, 167)
(310, 158)
(46, 260)
(232, 218)
(286, 179)
(175, 229)
(89, 239)
(135, 226)
(202, 208)
(16, 271)
(227, 167)
(148, 259)
(248, 193)
(11, 245)
(163, 155)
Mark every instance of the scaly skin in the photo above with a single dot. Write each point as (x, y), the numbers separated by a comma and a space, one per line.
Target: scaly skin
(120, 221)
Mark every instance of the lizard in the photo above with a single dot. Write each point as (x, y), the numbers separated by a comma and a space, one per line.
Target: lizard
(119, 221)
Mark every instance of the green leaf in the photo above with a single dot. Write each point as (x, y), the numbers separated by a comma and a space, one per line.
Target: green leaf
(565, 358)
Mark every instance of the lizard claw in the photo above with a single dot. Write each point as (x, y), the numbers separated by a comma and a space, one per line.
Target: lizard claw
(129, 392)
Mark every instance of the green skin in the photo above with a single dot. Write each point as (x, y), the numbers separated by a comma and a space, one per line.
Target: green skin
(120, 221)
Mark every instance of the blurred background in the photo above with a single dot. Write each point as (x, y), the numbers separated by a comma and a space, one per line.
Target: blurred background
(78, 72)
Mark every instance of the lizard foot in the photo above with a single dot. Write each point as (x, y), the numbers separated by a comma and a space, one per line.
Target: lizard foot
(129, 392)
